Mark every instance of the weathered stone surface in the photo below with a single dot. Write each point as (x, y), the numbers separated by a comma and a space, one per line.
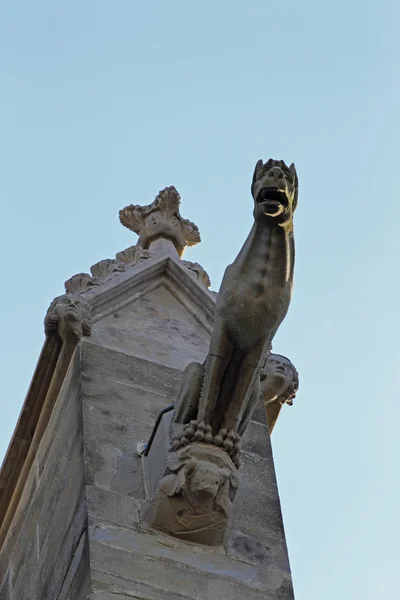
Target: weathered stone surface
(52, 518)
(257, 510)
(133, 564)
(111, 407)
(105, 506)
(108, 364)
(122, 396)
(68, 315)
(77, 579)
(155, 327)
(161, 221)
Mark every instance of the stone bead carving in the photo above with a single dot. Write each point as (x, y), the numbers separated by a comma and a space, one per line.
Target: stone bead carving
(68, 316)
(161, 218)
(193, 500)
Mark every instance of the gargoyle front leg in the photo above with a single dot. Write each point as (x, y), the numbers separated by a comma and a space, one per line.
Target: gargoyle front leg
(200, 429)
(251, 404)
(242, 397)
(217, 360)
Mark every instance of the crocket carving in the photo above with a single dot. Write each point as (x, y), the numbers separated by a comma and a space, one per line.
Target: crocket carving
(252, 302)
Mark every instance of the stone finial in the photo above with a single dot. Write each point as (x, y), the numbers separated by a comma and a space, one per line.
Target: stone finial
(160, 225)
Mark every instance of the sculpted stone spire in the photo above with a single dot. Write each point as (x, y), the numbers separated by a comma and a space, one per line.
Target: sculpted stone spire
(159, 225)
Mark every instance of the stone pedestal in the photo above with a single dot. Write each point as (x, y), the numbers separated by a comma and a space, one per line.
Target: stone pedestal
(193, 499)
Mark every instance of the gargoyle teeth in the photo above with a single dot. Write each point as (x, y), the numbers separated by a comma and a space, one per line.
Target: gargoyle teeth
(276, 213)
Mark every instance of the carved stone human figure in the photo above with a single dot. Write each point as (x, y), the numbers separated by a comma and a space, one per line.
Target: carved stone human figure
(68, 316)
(279, 385)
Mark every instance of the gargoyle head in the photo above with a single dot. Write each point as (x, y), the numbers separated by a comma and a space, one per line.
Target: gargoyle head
(275, 190)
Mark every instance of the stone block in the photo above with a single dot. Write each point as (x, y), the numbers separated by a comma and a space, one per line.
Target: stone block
(97, 361)
(113, 407)
(177, 566)
(156, 327)
(105, 506)
(257, 510)
(76, 583)
(256, 440)
(139, 576)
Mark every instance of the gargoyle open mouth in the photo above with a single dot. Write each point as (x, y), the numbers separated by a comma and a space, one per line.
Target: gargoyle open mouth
(275, 200)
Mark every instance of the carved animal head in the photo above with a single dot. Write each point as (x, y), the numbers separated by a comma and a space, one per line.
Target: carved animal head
(201, 482)
(275, 190)
(68, 315)
(279, 380)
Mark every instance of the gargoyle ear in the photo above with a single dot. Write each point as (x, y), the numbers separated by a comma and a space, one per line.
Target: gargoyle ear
(259, 166)
(174, 484)
(292, 168)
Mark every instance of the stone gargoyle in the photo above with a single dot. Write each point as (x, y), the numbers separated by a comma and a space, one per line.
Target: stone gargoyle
(252, 302)
(193, 497)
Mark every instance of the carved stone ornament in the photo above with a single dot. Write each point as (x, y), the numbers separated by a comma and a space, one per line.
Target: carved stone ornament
(217, 399)
(132, 255)
(161, 218)
(68, 316)
(79, 283)
(198, 271)
(248, 312)
(193, 500)
(106, 269)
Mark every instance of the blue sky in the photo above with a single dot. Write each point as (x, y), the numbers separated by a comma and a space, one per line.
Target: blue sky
(105, 103)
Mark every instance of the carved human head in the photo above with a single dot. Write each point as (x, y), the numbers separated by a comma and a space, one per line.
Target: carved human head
(68, 315)
(279, 379)
(275, 191)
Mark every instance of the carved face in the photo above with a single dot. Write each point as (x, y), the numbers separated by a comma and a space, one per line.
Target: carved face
(68, 313)
(204, 479)
(279, 379)
(275, 190)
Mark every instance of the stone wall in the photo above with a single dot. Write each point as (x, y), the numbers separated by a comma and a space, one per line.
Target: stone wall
(79, 530)
(45, 555)
(121, 397)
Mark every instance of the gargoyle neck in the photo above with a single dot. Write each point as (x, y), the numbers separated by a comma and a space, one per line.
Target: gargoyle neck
(270, 244)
